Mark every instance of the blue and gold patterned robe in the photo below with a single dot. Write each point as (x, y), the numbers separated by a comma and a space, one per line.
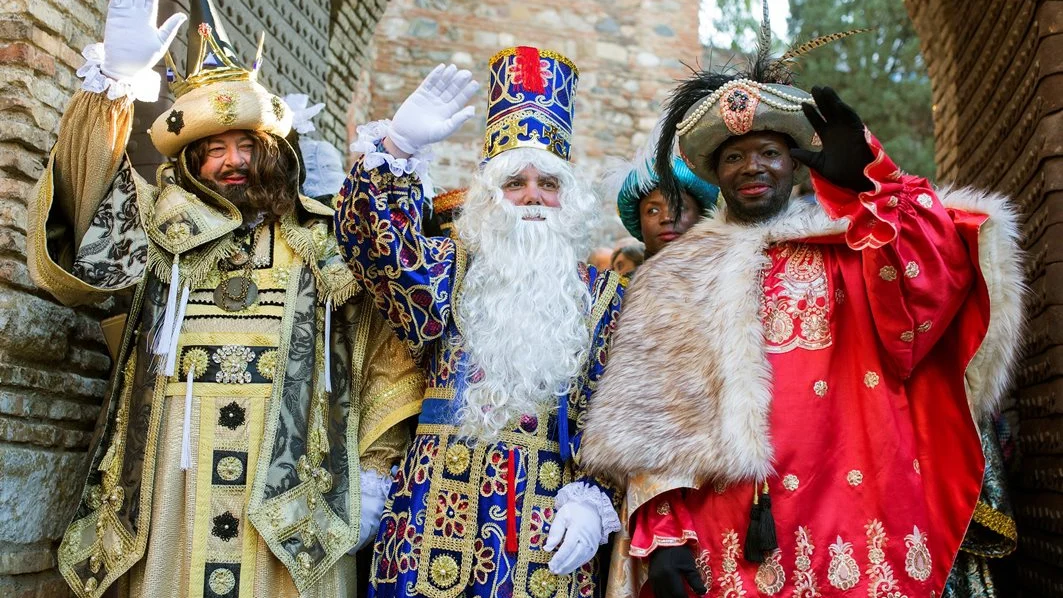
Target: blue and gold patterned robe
(444, 528)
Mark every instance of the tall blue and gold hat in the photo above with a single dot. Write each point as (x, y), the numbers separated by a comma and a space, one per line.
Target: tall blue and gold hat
(530, 103)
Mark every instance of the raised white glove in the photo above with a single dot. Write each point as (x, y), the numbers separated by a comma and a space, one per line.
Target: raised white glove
(580, 526)
(131, 42)
(434, 110)
(375, 488)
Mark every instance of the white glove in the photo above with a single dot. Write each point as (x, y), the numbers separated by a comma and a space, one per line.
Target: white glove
(375, 488)
(131, 42)
(434, 110)
(581, 526)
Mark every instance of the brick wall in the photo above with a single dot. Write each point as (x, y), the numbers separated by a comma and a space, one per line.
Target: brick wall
(997, 74)
(628, 53)
(53, 363)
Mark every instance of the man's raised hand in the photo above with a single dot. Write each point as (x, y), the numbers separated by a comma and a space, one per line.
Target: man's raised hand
(845, 152)
(131, 41)
(434, 110)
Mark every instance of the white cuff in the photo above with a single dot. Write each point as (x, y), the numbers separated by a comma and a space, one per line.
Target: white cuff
(594, 498)
(375, 484)
(372, 133)
(144, 86)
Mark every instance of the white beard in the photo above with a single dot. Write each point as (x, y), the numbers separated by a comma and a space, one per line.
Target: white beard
(523, 306)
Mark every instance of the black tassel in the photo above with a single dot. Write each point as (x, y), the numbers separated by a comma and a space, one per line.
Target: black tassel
(760, 536)
(768, 541)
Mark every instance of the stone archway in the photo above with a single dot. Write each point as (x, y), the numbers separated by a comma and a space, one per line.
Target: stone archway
(996, 68)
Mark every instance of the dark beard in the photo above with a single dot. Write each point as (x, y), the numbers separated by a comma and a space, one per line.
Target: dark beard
(778, 203)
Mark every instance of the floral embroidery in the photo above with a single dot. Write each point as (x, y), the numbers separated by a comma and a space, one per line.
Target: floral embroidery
(550, 476)
(230, 468)
(540, 526)
(195, 360)
(925, 326)
(915, 465)
(663, 508)
(231, 416)
(267, 364)
(221, 581)
(225, 526)
(457, 459)
(839, 296)
(731, 580)
(907, 336)
(790, 482)
(887, 273)
(178, 232)
(770, 576)
(279, 108)
(542, 584)
(911, 269)
(820, 388)
(704, 566)
(925, 200)
(881, 583)
(224, 105)
(804, 577)
(233, 360)
(175, 122)
(855, 478)
(452, 514)
(495, 474)
(871, 379)
(485, 561)
(444, 571)
(892, 202)
(794, 307)
(917, 560)
(843, 572)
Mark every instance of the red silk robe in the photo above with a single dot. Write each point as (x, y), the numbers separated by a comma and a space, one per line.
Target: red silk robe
(876, 464)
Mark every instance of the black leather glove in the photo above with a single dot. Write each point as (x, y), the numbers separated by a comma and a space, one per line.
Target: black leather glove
(845, 152)
(672, 569)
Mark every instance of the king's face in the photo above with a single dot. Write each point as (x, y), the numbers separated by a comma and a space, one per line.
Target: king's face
(529, 187)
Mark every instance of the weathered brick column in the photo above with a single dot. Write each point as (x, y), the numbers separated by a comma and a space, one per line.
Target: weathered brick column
(53, 364)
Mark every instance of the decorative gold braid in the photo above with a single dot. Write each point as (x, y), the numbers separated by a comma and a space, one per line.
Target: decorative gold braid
(996, 521)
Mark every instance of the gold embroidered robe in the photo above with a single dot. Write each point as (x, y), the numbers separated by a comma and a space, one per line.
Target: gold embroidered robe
(270, 504)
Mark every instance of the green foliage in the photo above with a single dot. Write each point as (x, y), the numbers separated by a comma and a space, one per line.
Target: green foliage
(879, 73)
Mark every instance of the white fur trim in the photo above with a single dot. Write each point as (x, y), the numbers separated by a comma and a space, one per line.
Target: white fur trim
(710, 418)
(1000, 260)
(372, 133)
(144, 86)
(594, 498)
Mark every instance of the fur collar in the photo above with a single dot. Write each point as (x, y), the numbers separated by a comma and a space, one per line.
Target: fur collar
(709, 418)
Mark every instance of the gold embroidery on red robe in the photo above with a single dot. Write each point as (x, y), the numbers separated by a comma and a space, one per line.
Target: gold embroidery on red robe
(795, 305)
(730, 580)
(917, 561)
(843, 572)
(804, 578)
(770, 576)
(702, 562)
(881, 583)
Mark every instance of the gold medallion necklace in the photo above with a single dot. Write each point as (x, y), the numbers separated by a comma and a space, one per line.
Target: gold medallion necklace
(238, 292)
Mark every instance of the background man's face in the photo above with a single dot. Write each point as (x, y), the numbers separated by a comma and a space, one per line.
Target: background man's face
(756, 174)
(659, 226)
(227, 160)
(531, 188)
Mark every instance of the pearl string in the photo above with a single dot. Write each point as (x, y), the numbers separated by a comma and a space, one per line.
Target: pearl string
(748, 85)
